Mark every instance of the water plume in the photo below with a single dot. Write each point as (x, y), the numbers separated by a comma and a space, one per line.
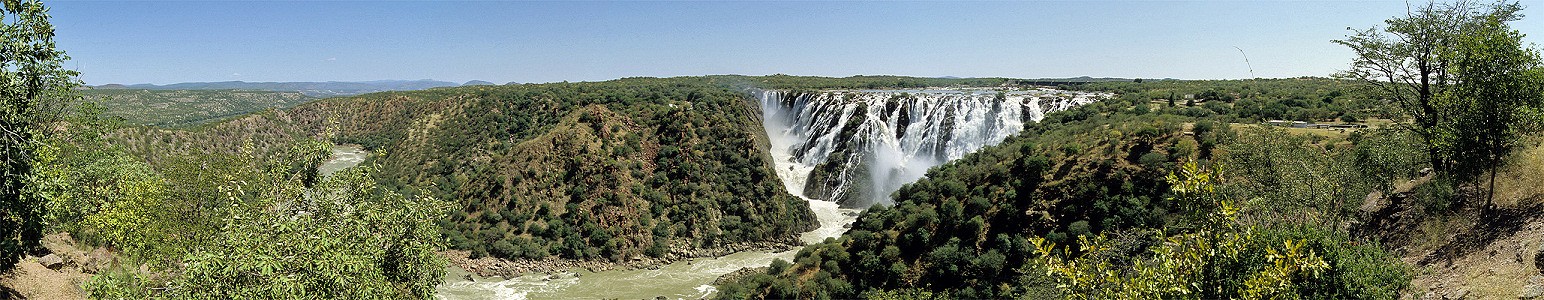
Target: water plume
(856, 147)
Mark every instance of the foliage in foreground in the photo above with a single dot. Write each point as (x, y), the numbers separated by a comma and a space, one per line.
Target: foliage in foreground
(1463, 78)
(1209, 258)
(344, 237)
(32, 88)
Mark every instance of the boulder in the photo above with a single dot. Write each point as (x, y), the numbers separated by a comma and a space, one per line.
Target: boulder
(1457, 295)
(97, 261)
(52, 261)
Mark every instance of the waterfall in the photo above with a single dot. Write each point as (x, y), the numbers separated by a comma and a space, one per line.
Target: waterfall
(856, 147)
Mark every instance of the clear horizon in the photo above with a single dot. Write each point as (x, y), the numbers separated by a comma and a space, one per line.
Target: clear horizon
(134, 42)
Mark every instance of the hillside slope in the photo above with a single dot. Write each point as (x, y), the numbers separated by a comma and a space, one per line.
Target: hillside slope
(187, 107)
(1461, 252)
(610, 170)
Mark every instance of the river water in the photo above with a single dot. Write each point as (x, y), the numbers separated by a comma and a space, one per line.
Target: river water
(343, 157)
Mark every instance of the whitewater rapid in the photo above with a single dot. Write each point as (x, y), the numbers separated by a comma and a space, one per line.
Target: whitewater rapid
(855, 147)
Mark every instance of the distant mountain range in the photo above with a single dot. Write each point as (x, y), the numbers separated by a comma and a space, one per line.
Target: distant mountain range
(313, 89)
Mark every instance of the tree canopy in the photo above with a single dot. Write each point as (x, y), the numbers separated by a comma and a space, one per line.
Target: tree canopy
(1460, 74)
(33, 88)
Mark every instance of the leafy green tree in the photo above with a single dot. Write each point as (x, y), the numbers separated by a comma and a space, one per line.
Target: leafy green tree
(1438, 65)
(344, 238)
(1495, 78)
(1403, 63)
(32, 87)
(1200, 261)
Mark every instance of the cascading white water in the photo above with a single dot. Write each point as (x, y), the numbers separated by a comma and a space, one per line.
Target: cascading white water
(857, 146)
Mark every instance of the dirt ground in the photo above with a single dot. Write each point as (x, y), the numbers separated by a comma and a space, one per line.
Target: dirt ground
(1483, 260)
(31, 280)
(1468, 254)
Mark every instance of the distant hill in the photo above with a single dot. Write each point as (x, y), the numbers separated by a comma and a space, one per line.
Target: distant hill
(477, 82)
(313, 89)
(187, 107)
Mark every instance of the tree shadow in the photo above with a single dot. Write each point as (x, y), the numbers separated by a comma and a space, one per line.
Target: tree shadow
(1490, 226)
(7, 293)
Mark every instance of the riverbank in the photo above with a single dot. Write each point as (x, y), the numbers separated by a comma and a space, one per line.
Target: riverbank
(504, 268)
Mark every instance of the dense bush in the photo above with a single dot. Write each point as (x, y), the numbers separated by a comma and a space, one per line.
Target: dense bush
(346, 238)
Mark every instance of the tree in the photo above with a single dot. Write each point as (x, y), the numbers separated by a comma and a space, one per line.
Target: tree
(346, 237)
(1460, 73)
(1410, 64)
(1210, 257)
(1494, 79)
(31, 85)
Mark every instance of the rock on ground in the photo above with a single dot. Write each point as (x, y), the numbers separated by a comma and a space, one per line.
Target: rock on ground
(51, 261)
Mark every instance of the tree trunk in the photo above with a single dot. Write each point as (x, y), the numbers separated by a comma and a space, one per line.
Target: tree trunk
(1490, 197)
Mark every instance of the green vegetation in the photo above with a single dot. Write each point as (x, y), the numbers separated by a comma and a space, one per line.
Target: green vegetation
(345, 238)
(33, 88)
(605, 170)
(242, 224)
(1199, 260)
(1250, 101)
(1463, 77)
(187, 107)
(1125, 198)
(1092, 178)
(1461, 89)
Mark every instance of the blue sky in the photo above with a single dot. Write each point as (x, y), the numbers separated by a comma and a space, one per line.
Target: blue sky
(183, 41)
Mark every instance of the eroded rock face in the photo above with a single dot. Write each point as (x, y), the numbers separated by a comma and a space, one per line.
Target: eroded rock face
(97, 261)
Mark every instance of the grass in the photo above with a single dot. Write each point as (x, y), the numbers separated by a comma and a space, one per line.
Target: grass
(1329, 133)
(1520, 181)
(1493, 268)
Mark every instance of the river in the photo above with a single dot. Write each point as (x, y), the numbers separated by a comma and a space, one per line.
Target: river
(343, 157)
